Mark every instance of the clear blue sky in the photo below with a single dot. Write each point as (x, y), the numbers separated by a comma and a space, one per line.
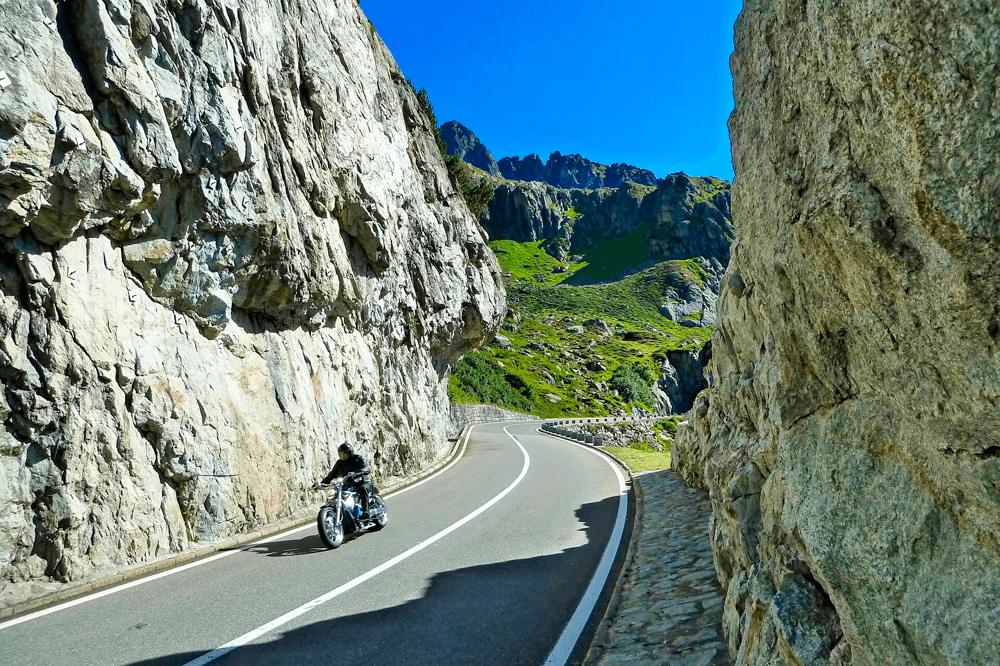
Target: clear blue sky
(645, 82)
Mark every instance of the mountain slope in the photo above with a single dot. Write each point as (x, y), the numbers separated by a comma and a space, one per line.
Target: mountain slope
(682, 218)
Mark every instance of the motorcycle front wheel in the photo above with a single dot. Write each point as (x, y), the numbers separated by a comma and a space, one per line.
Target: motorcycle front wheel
(330, 530)
(382, 519)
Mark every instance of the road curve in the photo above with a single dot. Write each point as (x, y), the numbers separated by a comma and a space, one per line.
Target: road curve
(484, 564)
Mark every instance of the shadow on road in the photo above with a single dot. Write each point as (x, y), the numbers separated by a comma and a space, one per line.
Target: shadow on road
(507, 613)
(307, 545)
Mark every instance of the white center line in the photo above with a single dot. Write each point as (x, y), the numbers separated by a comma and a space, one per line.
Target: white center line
(336, 592)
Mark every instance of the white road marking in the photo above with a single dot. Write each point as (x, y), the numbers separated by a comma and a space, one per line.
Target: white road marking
(571, 634)
(213, 558)
(336, 592)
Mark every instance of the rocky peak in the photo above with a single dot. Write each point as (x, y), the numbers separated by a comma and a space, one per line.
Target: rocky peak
(530, 168)
(461, 141)
(574, 171)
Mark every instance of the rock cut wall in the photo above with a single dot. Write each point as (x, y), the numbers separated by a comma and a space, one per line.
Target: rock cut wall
(850, 436)
(218, 263)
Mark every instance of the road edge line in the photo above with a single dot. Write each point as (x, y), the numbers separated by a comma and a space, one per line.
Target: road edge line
(28, 610)
(561, 652)
(595, 649)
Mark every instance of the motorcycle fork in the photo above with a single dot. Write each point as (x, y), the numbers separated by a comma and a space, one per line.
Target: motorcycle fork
(340, 504)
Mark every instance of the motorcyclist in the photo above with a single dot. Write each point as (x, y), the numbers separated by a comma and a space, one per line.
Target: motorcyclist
(355, 472)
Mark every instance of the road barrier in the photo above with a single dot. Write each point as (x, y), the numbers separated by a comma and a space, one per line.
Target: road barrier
(552, 427)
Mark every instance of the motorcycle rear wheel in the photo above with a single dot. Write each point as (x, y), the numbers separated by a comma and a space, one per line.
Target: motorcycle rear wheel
(330, 530)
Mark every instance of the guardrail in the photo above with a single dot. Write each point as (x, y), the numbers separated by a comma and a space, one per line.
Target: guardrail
(553, 428)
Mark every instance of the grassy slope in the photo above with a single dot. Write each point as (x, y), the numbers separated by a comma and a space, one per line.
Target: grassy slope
(545, 304)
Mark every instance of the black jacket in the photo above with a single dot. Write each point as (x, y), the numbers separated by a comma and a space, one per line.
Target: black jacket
(355, 467)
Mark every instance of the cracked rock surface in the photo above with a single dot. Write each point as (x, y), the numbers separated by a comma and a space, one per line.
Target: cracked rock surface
(849, 439)
(218, 263)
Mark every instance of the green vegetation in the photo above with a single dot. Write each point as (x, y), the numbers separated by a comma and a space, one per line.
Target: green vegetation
(667, 426)
(573, 214)
(633, 303)
(640, 461)
(470, 182)
(643, 456)
(611, 260)
(632, 381)
(640, 191)
(476, 190)
(713, 186)
(478, 379)
(552, 371)
(529, 262)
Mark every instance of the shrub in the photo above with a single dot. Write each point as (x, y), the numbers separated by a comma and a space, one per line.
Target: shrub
(479, 377)
(632, 381)
(476, 190)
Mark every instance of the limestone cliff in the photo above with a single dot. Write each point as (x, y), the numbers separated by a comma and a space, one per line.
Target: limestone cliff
(218, 262)
(684, 217)
(850, 439)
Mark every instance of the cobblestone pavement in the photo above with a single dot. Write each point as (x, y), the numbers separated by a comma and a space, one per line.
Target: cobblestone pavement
(669, 612)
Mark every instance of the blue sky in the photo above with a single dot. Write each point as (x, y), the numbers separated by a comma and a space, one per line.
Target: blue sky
(645, 82)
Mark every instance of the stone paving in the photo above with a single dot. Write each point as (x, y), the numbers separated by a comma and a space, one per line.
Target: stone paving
(669, 610)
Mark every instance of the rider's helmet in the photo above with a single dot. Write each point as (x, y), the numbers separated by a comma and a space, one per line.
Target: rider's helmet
(345, 451)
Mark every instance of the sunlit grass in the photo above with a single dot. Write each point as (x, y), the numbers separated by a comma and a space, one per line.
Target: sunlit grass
(640, 461)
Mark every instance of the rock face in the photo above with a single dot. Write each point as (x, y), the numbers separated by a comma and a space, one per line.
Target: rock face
(682, 377)
(691, 299)
(218, 263)
(684, 217)
(460, 140)
(574, 171)
(850, 438)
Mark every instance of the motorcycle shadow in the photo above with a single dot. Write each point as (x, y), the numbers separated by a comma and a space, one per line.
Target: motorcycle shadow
(307, 545)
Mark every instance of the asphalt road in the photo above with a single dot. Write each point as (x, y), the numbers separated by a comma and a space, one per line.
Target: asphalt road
(498, 588)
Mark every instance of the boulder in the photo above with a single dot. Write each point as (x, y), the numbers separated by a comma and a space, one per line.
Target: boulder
(599, 326)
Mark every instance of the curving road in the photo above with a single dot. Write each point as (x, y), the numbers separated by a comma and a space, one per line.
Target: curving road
(485, 563)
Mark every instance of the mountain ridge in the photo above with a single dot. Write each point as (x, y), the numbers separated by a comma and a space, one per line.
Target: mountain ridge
(569, 171)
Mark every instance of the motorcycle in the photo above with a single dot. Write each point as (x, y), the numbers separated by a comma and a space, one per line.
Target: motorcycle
(341, 514)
